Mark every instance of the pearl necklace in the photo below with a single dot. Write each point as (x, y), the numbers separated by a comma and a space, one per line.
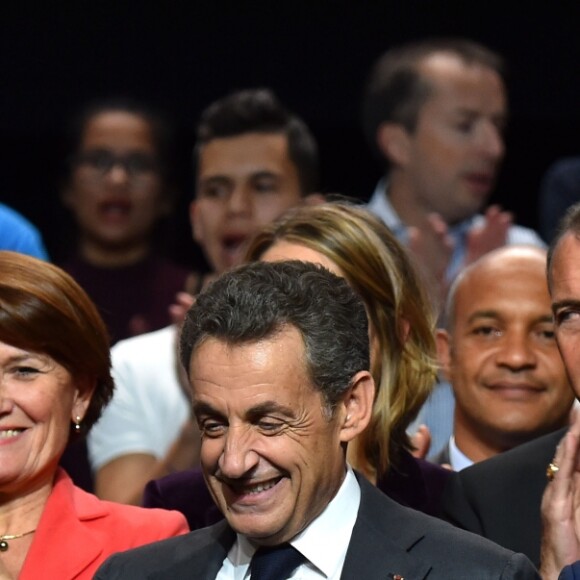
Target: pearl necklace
(4, 539)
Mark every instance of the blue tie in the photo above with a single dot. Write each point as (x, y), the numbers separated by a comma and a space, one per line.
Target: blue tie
(275, 563)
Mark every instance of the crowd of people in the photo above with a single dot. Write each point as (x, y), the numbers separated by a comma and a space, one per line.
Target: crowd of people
(379, 390)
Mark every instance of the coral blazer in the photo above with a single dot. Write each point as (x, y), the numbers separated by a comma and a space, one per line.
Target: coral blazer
(78, 531)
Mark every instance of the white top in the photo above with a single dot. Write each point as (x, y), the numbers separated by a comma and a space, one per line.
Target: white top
(149, 407)
(457, 458)
(323, 543)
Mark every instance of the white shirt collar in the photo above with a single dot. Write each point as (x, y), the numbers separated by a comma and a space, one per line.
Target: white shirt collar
(381, 206)
(324, 542)
(457, 459)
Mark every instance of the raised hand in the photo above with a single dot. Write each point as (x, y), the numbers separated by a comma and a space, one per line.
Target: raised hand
(561, 508)
(489, 235)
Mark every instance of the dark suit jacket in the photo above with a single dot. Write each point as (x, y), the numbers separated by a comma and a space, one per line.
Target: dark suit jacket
(500, 498)
(570, 572)
(387, 540)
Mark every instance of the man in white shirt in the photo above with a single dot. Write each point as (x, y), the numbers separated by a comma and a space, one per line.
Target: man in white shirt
(278, 356)
(254, 160)
(500, 355)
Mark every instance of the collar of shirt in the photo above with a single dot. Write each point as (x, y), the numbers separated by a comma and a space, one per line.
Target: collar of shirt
(457, 459)
(381, 206)
(324, 542)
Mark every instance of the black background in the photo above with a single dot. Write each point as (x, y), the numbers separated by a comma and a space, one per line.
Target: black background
(315, 55)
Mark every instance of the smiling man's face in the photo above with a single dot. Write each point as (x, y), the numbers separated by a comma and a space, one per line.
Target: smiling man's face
(502, 359)
(271, 453)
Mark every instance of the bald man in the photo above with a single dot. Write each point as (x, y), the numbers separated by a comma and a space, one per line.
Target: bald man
(500, 356)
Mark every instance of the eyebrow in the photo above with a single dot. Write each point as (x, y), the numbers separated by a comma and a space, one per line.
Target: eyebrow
(264, 173)
(565, 303)
(26, 356)
(473, 113)
(215, 179)
(268, 407)
(251, 414)
(483, 314)
(497, 316)
(200, 408)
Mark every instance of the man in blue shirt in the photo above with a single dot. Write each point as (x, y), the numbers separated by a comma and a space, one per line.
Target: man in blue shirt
(435, 111)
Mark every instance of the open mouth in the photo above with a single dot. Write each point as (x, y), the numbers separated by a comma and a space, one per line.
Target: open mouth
(480, 181)
(115, 209)
(234, 246)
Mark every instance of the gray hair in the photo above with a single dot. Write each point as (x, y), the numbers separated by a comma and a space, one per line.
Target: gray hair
(258, 300)
(570, 223)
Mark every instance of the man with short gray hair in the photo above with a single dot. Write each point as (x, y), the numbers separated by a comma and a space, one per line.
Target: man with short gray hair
(278, 358)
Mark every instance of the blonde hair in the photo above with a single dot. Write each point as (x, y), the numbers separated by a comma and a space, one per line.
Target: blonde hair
(401, 319)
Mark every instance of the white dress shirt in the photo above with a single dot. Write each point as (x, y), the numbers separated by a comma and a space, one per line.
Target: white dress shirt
(457, 458)
(323, 543)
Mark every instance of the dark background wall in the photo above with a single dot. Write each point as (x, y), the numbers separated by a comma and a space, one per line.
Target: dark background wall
(316, 55)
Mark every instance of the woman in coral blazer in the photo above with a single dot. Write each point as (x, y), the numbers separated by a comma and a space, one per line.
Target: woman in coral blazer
(54, 382)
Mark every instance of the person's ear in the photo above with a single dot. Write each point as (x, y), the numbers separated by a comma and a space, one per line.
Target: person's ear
(443, 341)
(82, 398)
(314, 199)
(393, 141)
(404, 330)
(196, 222)
(357, 406)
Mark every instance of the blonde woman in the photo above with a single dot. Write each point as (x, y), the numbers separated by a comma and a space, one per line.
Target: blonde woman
(350, 241)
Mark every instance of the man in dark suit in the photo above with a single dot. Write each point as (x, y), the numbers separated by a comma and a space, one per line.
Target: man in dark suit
(277, 355)
(506, 498)
(501, 358)
(500, 498)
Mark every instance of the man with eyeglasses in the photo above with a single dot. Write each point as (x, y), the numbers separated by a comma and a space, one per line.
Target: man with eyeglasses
(118, 189)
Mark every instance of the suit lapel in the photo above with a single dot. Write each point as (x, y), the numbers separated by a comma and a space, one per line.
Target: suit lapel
(381, 540)
(200, 555)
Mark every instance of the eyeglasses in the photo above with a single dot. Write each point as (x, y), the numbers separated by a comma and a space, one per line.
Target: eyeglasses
(138, 166)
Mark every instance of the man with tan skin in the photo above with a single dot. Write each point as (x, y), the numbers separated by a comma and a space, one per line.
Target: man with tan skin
(500, 356)
(254, 161)
(434, 112)
(500, 498)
